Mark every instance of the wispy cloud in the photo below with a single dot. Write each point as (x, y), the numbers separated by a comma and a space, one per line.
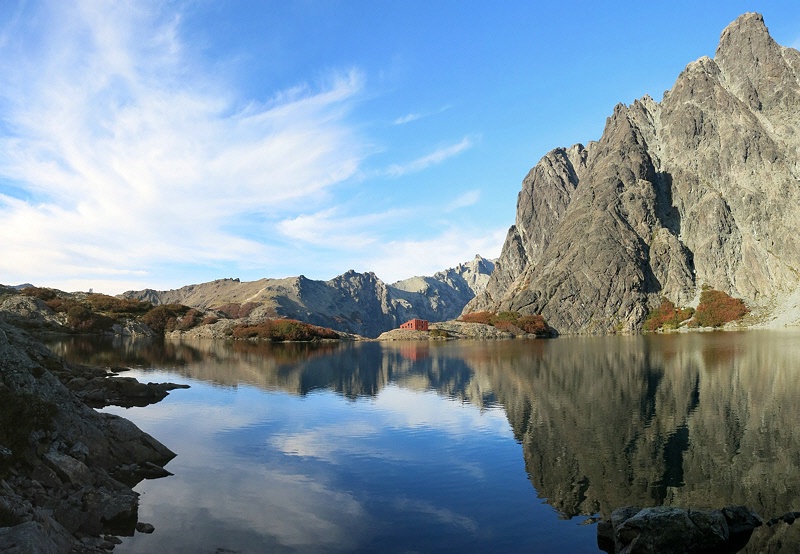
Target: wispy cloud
(120, 155)
(331, 229)
(413, 116)
(443, 515)
(407, 118)
(469, 198)
(434, 158)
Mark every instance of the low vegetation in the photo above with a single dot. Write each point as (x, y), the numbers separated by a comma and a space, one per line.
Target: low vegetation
(98, 313)
(715, 309)
(81, 316)
(667, 316)
(114, 305)
(511, 322)
(166, 317)
(279, 330)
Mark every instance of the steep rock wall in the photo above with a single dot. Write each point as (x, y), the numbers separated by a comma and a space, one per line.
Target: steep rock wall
(699, 189)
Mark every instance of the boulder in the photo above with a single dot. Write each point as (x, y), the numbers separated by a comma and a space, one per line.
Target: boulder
(667, 530)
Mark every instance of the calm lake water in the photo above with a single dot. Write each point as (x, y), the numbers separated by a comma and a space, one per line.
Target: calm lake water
(512, 446)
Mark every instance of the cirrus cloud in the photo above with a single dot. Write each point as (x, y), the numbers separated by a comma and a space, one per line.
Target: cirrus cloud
(121, 154)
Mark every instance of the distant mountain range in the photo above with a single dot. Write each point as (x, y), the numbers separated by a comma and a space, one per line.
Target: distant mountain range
(353, 302)
(701, 189)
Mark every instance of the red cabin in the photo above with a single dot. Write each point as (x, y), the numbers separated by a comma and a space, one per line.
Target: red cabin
(415, 325)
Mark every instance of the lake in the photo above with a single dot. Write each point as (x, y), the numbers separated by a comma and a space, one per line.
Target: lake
(513, 446)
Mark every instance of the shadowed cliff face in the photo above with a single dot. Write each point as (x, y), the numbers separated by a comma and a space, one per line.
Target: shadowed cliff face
(700, 188)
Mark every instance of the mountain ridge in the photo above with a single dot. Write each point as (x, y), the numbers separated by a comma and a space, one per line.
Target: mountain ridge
(359, 303)
(697, 190)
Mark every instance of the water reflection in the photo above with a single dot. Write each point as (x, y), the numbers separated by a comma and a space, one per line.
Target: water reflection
(700, 420)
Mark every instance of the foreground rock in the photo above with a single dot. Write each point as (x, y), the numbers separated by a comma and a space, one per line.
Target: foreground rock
(667, 530)
(66, 471)
(699, 189)
(99, 387)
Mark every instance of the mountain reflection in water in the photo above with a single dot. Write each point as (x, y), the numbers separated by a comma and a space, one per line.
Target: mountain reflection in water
(695, 420)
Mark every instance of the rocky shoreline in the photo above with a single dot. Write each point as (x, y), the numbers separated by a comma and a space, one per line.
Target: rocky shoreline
(67, 472)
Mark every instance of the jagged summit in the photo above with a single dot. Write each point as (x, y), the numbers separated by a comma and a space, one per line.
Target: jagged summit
(699, 189)
(353, 302)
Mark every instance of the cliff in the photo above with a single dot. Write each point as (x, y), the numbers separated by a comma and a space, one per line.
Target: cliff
(699, 189)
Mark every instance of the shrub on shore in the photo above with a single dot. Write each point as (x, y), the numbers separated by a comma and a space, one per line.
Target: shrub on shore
(164, 318)
(279, 330)
(122, 306)
(667, 316)
(717, 308)
(511, 322)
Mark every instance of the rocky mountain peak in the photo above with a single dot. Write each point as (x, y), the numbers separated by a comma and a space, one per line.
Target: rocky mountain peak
(699, 189)
(352, 302)
(747, 38)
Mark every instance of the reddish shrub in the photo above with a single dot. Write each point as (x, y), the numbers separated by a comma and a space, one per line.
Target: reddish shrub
(717, 308)
(191, 319)
(505, 325)
(82, 319)
(535, 325)
(478, 317)
(61, 305)
(105, 303)
(39, 292)
(164, 318)
(667, 316)
(511, 322)
(278, 330)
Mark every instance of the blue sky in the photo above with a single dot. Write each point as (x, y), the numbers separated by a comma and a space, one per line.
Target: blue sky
(158, 144)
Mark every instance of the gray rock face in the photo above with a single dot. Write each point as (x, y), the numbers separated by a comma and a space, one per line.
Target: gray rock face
(65, 470)
(699, 189)
(353, 302)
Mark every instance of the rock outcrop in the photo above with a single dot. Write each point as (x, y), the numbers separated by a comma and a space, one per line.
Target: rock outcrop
(66, 471)
(699, 189)
(668, 530)
(353, 302)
